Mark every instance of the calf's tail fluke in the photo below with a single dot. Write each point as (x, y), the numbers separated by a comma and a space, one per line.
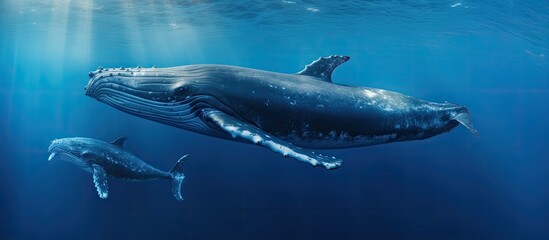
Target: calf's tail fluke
(177, 177)
(464, 118)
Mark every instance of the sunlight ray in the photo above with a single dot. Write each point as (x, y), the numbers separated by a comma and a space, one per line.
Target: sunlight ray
(57, 38)
(134, 30)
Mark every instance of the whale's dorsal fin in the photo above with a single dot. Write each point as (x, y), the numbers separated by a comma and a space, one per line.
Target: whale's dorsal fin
(119, 142)
(323, 67)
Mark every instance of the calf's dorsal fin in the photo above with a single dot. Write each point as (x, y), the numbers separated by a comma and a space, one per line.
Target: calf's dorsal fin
(119, 142)
(323, 67)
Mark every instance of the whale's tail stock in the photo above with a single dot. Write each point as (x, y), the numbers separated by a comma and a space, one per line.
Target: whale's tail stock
(177, 177)
(464, 118)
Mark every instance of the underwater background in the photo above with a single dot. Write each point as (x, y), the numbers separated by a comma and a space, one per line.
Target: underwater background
(490, 56)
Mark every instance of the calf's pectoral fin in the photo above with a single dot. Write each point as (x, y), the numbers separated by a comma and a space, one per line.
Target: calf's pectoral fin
(177, 177)
(100, 181)
(251, 133)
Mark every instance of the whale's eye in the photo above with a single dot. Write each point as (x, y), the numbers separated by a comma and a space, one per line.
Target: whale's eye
(180, 90)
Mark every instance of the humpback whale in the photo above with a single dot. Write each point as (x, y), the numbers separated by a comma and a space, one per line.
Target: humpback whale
(105, 160)
(291, 114)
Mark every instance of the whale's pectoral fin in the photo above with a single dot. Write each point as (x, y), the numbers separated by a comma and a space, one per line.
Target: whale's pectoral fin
(323, 67)
(251, 133)
(178, 177)
(100, 181)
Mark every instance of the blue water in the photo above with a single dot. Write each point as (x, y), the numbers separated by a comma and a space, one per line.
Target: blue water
(490, 56)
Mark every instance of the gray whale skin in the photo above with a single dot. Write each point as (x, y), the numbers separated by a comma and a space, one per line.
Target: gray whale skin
(287, 113)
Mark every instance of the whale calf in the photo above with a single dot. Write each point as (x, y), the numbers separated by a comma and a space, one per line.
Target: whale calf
(105, 160)
(287, 113)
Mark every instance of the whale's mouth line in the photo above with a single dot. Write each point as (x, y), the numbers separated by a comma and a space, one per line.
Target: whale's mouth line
(66, 155)
(58, 151)
(61, 153)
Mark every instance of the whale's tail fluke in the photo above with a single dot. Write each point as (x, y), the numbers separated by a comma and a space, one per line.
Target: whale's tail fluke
(464, 118)
(177, 177)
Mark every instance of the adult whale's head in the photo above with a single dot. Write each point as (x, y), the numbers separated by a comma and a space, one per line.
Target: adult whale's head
(174, 96)
(154, 84)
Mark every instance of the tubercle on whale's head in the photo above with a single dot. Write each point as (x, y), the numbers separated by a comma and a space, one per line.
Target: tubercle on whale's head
(99, 75)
